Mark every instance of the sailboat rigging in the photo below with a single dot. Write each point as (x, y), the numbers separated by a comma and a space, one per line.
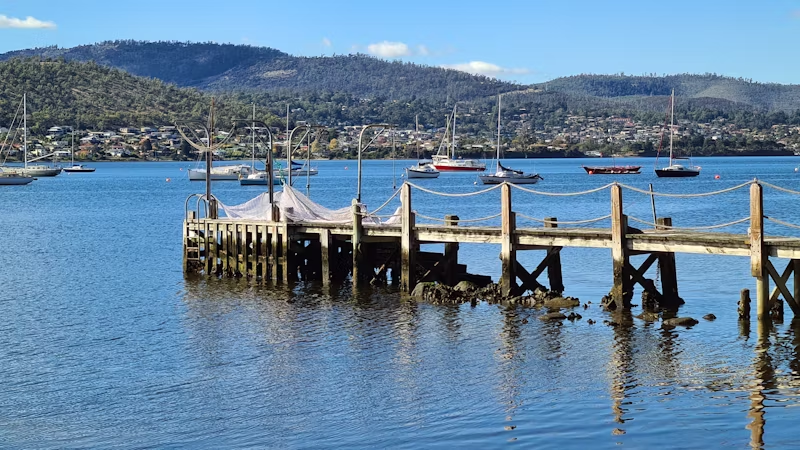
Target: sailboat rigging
(674, 170)
(423, 168)
(76, 167)
(447, 162)
(505, 174)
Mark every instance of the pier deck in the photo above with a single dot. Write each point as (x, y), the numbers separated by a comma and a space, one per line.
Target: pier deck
(284, 250)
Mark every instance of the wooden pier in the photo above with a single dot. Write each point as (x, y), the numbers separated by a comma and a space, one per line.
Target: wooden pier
(281, 250)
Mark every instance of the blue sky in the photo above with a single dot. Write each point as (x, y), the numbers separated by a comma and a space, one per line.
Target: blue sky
(524, 41)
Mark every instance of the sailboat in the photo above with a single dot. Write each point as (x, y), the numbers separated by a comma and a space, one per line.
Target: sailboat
(258, 177)
(613, 169)
(674, 170)
(37, 170)
(10, 177)
(76, 167)
(505, 174)
(447, 162)
(423, 168)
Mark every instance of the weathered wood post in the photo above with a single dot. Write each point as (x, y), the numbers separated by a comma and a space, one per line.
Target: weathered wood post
(358, 230)
(407, 241)
(666, 265)
(325, 256)
(758, 267)
(744, 304)
(554, 266)
(621, 292)
(508, 254)
(451, 254)
(285, 252)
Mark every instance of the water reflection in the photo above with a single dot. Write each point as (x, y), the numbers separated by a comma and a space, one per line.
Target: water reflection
(512, 360)
(621, 366)
(763, 380)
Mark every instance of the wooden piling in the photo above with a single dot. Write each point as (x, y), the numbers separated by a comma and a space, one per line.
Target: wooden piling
(451, 254)
(358, 230)
(666, 265)
(407, 241)
(554, 263)
(283, 261)
(508, 254)
(621, 292)
(758, 267)
(325, 256)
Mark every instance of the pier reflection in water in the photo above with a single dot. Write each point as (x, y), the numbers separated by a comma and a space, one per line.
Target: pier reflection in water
(327, 366)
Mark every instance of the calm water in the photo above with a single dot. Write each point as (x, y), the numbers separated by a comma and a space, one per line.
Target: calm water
(105, 344)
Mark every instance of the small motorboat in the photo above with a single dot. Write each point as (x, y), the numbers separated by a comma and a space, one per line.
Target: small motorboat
(78, 168)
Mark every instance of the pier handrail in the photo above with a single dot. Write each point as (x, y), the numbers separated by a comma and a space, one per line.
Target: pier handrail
(479, 219)
(448, 194)
(562, 194)
(564, 222)
(201, 198)
(700, 194)
(778, 188)
(781, 222)
(704, 227)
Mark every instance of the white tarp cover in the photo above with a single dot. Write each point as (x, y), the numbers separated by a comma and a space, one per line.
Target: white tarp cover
(296, 207)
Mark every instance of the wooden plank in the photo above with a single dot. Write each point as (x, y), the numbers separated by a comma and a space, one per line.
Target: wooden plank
(776, 292)
(273, 254)
(508, 255)
(407, 241)
(529, 282)
(263, 239)
(285, 253)
(758, 267)
(790, 300)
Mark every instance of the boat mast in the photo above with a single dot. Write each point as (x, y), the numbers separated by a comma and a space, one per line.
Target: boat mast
(671, 123)
(72, 150)
(253, 132)
(499, 96)
(453, 143)
(25, 127)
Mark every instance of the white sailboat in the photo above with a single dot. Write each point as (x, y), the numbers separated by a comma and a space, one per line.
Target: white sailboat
(76, 167)
(675, 170)
(32, 170)
(505, 174)
(446, 161)
(8, 177)
(423, 168)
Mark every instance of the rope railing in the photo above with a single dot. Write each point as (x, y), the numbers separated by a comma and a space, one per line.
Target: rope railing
(447, 194)
(561, 194)
(781, 222)
(778, 188)
(707, 227)
(460, 221)
(701, 194)
(372, 213)
(565, 222)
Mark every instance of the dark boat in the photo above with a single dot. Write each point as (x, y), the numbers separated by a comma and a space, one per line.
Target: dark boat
(674, 170)
(612, 170)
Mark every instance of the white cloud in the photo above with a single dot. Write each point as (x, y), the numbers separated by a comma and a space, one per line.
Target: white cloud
(388, 49)
(485, 68)
(326, 42)
(423, 50)
(28, 22)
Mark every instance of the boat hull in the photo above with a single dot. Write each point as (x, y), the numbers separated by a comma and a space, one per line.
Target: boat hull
(34, 172)
(612, 170)
(445, 168)
(662, 173)
(411, 173)
(14, 180)
(219, 173)
(78, 169)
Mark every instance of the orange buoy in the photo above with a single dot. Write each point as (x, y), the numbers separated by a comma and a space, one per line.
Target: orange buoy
(716, 177)
(591, 172)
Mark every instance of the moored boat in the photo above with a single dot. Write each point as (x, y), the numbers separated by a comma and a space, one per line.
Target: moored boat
(674, 170)
(422, 171)
(259, 179)
(506, 174)
(13, 179)
(612, 170)
(220, 173)
(445, 161)
(78, 168)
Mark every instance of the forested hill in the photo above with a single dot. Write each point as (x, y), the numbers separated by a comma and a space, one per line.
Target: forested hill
(65, 92)
(763, 96)
(226, 67)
